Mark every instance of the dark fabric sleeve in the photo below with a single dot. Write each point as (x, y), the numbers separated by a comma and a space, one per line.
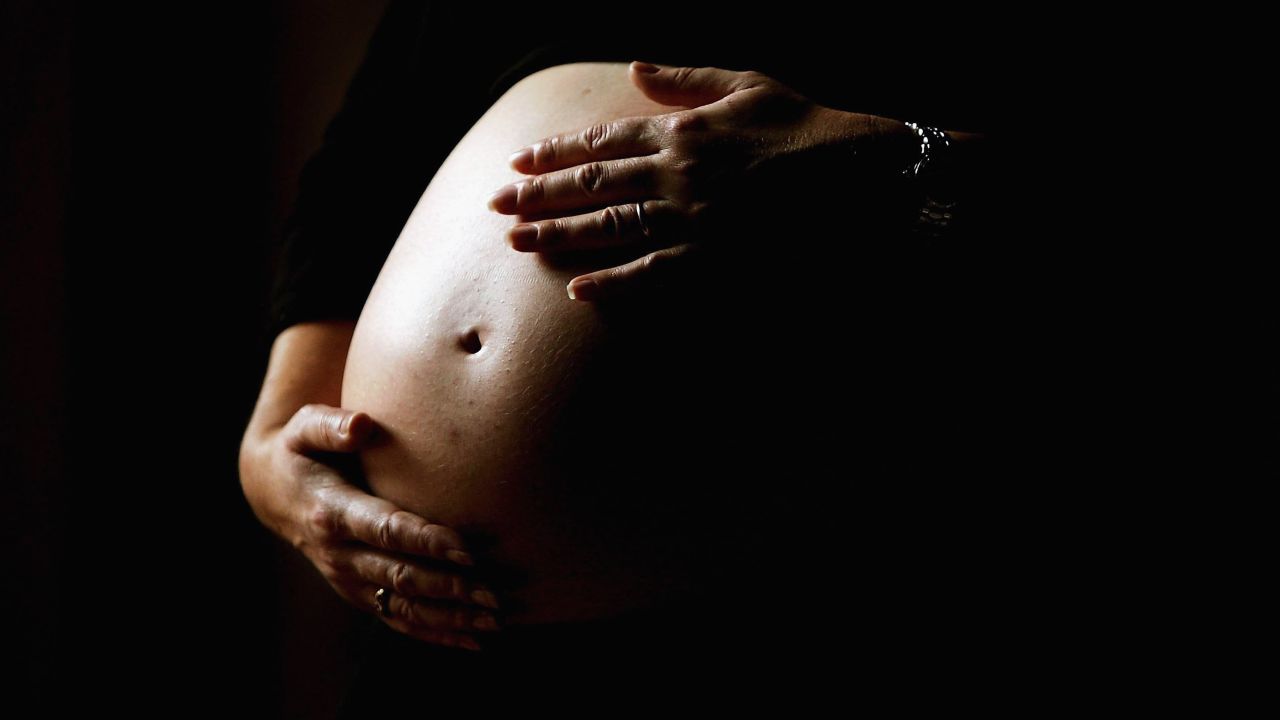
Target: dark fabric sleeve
(356, 191)
(413, 98)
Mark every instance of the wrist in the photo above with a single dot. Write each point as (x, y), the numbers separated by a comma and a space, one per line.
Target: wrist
(259, 492)
(876, 143)
(933, 179)
(898, 143)
(306, 365)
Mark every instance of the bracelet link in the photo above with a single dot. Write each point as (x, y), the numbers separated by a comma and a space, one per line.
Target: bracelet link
(934, 216)
(934, 146)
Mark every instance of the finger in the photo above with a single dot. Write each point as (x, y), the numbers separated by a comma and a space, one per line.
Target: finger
(624, 137)
(590, 184)
(448, 616)
(648, 272)
(432, 614)
(690, 86)
(317, 427)
(352, 514)
(413, 580)
(434, 636)
(613, 226)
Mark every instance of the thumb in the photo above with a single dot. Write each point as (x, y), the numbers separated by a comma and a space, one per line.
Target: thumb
(316, 427)
(687, 86)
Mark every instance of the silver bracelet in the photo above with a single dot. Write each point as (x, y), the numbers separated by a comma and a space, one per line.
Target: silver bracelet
(934, 145)
(935, 214)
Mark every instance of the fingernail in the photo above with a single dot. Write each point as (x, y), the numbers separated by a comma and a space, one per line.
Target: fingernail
(486, 622)
(504, 200)
(523, 237)
(583, 289)
(469, 644)
(485, 598)
(645, 67)
(521, 157)
(460, 557)
(345, 427)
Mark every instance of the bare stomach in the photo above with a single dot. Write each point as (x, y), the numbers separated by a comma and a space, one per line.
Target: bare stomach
(573, 441)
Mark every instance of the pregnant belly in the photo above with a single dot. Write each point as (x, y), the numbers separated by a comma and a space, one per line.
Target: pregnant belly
(567, 440)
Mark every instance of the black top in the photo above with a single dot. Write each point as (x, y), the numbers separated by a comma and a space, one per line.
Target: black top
(424, 83)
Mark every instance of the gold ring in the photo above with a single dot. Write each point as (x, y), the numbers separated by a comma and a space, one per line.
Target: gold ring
(382, 602)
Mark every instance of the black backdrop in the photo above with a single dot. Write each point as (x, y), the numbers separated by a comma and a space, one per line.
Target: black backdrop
(150, 156)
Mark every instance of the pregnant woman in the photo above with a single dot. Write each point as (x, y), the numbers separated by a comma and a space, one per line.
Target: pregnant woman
(579, 413)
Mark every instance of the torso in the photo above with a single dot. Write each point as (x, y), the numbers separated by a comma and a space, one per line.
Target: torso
(569, 439)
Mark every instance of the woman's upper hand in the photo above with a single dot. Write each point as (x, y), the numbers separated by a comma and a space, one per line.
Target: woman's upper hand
(744, 139)
(360, 542)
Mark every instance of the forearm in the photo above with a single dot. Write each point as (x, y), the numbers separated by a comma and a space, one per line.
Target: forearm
(888, 144)
(960, 196)
(306, 366)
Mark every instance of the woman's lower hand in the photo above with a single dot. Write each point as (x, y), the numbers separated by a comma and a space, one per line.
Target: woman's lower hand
(359, 542)
(670, 181)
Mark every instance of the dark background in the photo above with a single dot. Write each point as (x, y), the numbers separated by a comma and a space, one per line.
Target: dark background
(149, 157)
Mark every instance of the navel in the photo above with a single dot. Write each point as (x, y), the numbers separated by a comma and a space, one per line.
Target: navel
(469, 341)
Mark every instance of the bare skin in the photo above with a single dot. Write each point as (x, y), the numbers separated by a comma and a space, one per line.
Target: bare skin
(572, 436)
(358, 542)
(494, 390)
(678, 166)
(690, 168)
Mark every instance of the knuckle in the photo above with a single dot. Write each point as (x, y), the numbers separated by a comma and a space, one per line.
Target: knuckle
(297, 424)
(680, 124)
(384, 530)
(309, 410)
(327, 567)
(595, 136)
(648, 130)
(328, 422)
(557, 229)
(416, 613)
(396, 529)
(550, 151)
(532, 191)
(400, 607)
(400, 577)
(611, 222)
(589, 177)
(329, 435)
(691, 122)
(323, 522)
(545, 233)
(687, 166)
(666, 259)
(430, 535)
